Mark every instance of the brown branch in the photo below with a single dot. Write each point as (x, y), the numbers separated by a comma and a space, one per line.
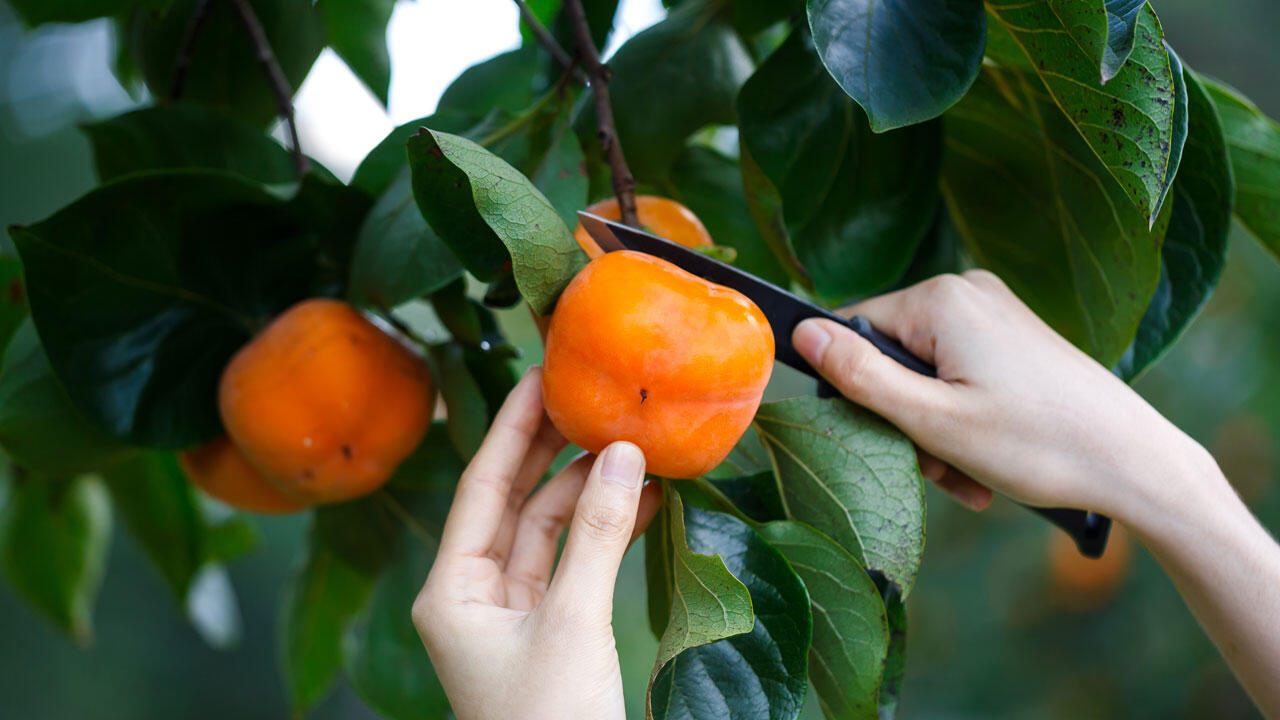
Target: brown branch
(182, 63)
(548, 41)
(624, 185)
(275, 78)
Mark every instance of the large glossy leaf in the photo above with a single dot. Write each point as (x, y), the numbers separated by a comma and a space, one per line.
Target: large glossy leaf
(143, 288)
(1132, 122)
(13, 298)
(850, 632)
(1253, 140)
(710, 184)
(489, 214)
(54, 537)
(758, 496)
(178, 136)
(224, 69)
(852, 476)
(1104, 29)
(1017, 177)
(668, 81)
(715, 660)
(510, 81)
(398, 256)
(904, 61)
(39, 426)
(845, 208)
(357, 31)
(1195, 246)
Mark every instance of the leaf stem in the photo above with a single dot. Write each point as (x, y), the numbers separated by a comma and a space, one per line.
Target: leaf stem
(275, 78)
(182, 63)
(548, 41)
(624, 184)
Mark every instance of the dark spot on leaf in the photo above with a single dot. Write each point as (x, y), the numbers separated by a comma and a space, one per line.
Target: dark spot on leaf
(435, 150)
(563, 174)
(827, 431)
(15, 291)
(346, 451)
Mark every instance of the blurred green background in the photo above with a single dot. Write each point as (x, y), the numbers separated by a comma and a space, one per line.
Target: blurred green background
(990, 634)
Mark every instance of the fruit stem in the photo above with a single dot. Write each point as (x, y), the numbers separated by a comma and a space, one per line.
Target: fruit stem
(624, 184)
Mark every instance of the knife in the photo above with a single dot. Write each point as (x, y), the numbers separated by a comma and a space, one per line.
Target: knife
(784, 311)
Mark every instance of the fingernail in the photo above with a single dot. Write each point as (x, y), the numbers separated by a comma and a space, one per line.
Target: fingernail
(810, 339)
(623, 464)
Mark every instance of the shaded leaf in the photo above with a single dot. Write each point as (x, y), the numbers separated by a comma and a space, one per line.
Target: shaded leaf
(467, 413)
(185, 136)
(510, 81)
(600, 14)
(758, 496)
(850, 632)
(490, 214)
(388, 159)
(843, 207)
(38, 12)
(851, 475)
(659, 575)
(1016, 169)
(543, 147)
(903, 61)
(895, 666)
(357, 31)
(1131, 123)
(1253, 140)
(1195, 246)
(715, 660)
(54, 537)
(1104, 29)
(13, 299)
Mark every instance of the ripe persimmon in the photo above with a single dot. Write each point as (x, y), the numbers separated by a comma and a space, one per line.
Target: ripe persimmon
(640, 350)
(221, 470)
(324, 403)
(661, 216)
(1082, 583)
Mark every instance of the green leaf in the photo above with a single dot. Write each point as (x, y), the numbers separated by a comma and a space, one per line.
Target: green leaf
(510, 81)
(466, 412)
(903, 61)
(1104, 29)
(846, 206)
(54, 537)
(350, 545)
(224, 71)
(398, 256)
(1132, 122)
(357, 31)
(669, 81)
(388, 159)
(659, 575)
(750, 16)
(489, 214)
(895, 666)
(178, 136)
(851, 475)
(1015, 170)
(542, 146)
(1253, 140)
(715, 660)
(39, 426)
(142, 289)
(710, 184)
(38, 12)
(758, 496)
(1195, 246)
(850, 632)
(13, 299)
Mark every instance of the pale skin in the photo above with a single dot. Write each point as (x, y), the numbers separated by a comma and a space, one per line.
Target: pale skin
(1015, 409)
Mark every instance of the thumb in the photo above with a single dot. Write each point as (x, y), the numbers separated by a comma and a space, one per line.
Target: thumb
(600, 532)
(867, 376)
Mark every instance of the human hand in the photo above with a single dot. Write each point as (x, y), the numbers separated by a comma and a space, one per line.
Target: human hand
(508, 640)
(1014, 407)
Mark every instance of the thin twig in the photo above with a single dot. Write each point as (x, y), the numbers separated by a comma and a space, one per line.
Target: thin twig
(624, 185)
(548, 41)
(275, 78)
(182, 63)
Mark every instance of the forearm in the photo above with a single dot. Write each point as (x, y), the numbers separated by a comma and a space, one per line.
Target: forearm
(1223, 562)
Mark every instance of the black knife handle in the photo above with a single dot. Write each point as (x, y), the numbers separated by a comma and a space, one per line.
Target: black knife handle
(1088, 529)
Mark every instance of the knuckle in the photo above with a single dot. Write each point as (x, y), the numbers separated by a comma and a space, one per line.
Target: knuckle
(854, 369)
(605, 523)
(948, 286)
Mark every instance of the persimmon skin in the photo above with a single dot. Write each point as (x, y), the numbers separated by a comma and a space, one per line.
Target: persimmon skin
(640, 350)
(1081, 583)
(664, 217)
(221, 471)
(324, 403)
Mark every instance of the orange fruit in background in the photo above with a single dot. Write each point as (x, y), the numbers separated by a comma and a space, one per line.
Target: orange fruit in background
(640, 350)
(661, 216)
(325, 403)
(1084, 583)
(220, 469)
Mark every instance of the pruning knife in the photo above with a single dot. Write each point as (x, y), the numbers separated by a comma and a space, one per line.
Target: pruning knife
(784, 311)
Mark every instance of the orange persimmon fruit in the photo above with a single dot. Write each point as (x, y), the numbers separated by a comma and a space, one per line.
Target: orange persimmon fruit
(661, 216)
(640, 350)
(221, 471)
(1082, 583)
(324, 403)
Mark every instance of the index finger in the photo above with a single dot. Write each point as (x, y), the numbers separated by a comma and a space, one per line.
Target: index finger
(483, 491)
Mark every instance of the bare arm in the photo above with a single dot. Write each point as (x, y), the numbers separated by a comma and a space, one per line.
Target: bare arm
(1018, 409)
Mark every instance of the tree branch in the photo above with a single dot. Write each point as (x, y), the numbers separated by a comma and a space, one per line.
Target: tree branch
(624, 185)
(546, 40)
(275, 78)
(182, 63)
